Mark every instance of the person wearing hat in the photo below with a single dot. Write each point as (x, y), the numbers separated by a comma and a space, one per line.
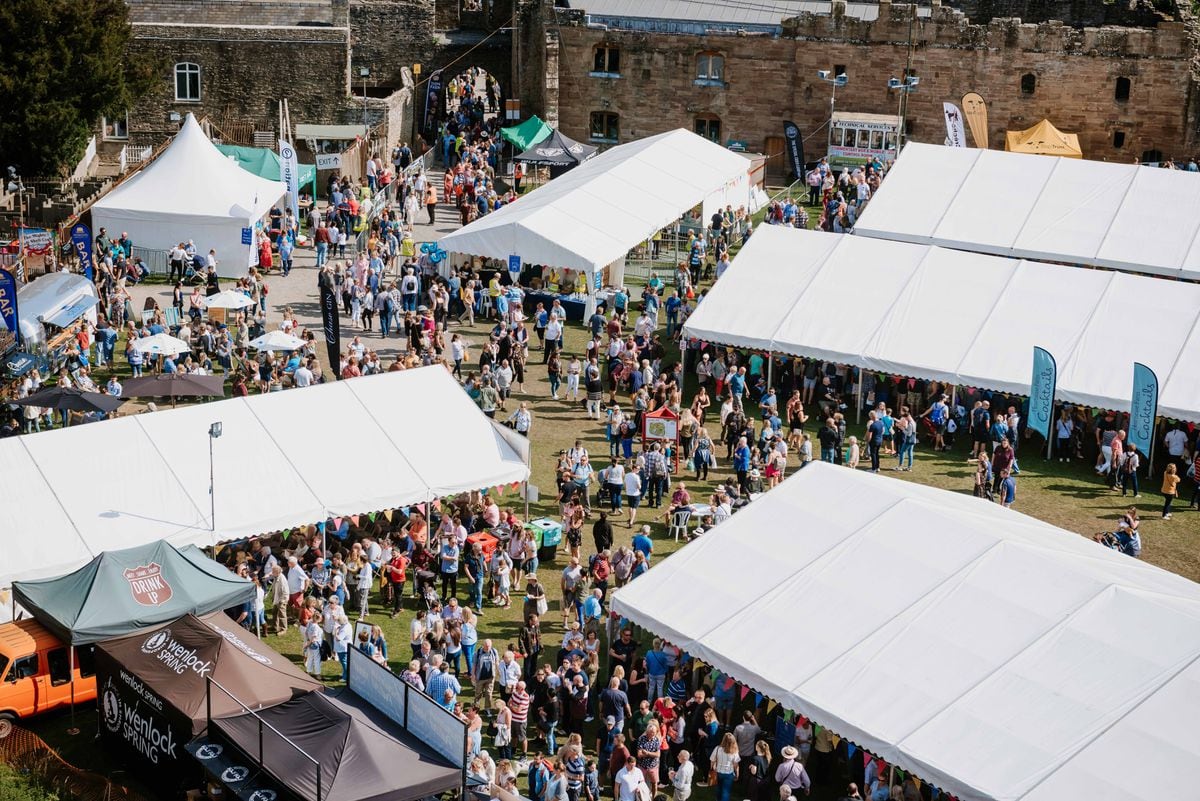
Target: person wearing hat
(791, 772)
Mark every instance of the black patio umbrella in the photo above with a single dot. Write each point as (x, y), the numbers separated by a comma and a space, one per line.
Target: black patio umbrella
(175, 385)
(71, 400)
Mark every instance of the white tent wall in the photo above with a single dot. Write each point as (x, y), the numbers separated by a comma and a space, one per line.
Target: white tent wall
(277, 465)
(994, 655)
(191, 191)
(957, 317)
(1040, 207)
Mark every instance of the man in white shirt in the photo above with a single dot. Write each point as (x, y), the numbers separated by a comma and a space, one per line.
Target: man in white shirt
(681, 777)
(1176, 443)
(627, 780)
(303, 377)
(633, 493)
(297, 583)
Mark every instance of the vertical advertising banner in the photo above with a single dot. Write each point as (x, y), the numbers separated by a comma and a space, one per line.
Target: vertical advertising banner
(795, 148)
(1143, 408)
(329, 319)
(8, 300)
(1041, 392)
(975, 110)
(289, 173)
(956, 136)
(433, 94)
(81, 241)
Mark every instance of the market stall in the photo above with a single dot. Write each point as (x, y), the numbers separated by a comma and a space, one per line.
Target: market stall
(153, 686)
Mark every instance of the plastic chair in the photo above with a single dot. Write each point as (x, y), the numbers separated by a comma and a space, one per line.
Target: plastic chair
(679, 523)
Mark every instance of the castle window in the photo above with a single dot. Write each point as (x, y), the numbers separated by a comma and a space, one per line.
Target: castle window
(1028, 83)
(605, 127)
(1152, 156)
(1118, 139)
(187, 82)
(710, 68)
(709, 126)
(606, 60)
(1122, 91)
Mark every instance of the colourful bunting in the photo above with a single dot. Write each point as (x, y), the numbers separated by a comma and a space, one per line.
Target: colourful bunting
(772, 704)
(836, 740)
(387, 513)
(758, 699)
(371, 516)
(850, 749)
(354, 520)
(745, 692)
(337, 522)
(713, 675)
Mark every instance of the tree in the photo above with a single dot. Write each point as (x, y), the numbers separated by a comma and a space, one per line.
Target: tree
(64, 64)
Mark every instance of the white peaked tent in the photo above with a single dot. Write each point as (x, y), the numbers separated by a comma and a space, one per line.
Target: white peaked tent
(993, 655)
(591, 216)
(191, 191)
(1121, 216)
(280, 462)
(958, 317)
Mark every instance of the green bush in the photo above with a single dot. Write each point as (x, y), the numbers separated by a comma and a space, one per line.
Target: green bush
(18, 786)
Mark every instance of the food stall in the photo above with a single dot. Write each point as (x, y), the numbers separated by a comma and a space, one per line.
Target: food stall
(49, 312)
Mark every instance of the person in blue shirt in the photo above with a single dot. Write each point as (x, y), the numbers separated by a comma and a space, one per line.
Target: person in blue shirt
(737, 383)
(672, 306)
(642, 542)
(286, 247)
(169, 365)
(874, 439)
(741, 465)
(621, 300)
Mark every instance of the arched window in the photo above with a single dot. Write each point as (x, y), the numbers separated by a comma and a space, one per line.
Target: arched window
(606, 58)
(187, 81)
(1122, 90)
(605, 127)
(709, 126)
(1028, 83)
(710, 67)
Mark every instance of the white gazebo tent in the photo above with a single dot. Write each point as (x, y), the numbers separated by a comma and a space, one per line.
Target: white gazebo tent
(191, 191)
(957, 317)
(1120, 216)
(593, 215)
(440, 445)
(993, 655)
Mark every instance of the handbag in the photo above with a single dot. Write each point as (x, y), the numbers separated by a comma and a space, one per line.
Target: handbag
(542, 606)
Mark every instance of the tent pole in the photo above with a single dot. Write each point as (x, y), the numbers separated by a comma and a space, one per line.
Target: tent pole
(1150, 455)
(858, 395)
(71, 658)
(1050, 437)
(770, 365)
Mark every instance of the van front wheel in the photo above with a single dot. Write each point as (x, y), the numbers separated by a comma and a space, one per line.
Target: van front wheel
(6, 724)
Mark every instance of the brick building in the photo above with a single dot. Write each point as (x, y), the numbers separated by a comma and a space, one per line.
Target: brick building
(607, 71)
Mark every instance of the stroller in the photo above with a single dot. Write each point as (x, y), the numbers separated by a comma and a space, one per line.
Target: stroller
(426, 591)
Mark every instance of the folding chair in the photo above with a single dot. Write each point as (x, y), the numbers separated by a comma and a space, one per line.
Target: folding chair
(679, 523)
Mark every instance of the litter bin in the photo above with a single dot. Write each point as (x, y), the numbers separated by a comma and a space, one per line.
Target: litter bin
(549, 535)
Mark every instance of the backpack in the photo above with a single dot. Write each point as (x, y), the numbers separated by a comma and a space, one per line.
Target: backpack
(539, 777)
(938, 415)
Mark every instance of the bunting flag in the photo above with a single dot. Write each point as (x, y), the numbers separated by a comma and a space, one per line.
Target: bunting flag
(745, 692)
(516, 485)
(371, 516)
(728, 684)
(772, 704)
(836, 740)
(387, 514)
(337, 522)
(758, 699)
(712, 676)
(850, 749)
(354, 520)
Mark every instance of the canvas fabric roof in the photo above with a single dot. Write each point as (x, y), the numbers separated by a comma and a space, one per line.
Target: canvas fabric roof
(957, 317)
(264, 162)
(224, 651)
(1044, 139)
(363, 755)
(129, 590)
(527, 134)
(993, 655)
(191, 191)
(592, 215)
(1036, 207)
(557, 150)
(427, 440)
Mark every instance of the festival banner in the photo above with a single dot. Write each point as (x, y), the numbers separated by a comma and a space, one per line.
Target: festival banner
(8, 300)
(955, 135)
(289, 173)
(1041, 392)
(333, 334)
(81, 241)
(1143, 408)
(795, 148)
(433, 94)
(38, 241)
(975, 110)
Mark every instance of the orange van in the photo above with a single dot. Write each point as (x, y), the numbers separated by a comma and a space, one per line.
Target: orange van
(35, 672)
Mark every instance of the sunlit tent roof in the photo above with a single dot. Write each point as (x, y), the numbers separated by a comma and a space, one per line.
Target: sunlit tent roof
(557, 150)
(1054, 209)
(527, 134)
(592, 215)
(993, 655)
(120, 592)
(1043, 139)
(962, 318)
(264, 162)
(279, 463)
(191, 191)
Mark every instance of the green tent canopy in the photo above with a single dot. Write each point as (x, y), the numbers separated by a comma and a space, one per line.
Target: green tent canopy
(264, 162)
(121, 592)
(527, 134)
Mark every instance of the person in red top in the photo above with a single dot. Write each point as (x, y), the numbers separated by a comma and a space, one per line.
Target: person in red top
(396, 576)
(264, 253)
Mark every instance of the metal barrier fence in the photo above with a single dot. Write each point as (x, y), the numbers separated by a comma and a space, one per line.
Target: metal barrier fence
(155, 260)
(387, 195)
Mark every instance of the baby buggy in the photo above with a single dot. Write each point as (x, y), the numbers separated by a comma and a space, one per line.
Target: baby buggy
(426, 592)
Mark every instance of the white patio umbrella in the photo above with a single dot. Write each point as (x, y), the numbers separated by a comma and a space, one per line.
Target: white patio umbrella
(229, 299)
(277, 341)
(161, 345)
